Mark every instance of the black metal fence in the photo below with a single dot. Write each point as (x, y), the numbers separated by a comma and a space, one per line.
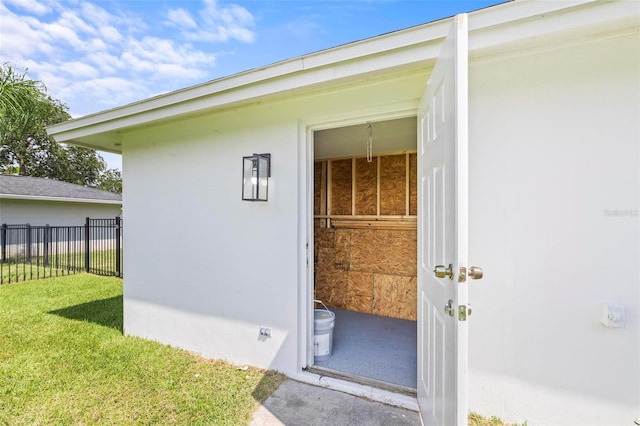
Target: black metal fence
(31, 252)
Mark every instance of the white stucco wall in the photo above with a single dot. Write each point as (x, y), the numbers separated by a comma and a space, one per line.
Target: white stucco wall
(35, 212)
(554, 147)
(205, 269)
(554, 150)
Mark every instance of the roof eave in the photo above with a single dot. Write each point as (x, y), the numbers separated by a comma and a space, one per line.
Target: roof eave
(59, 199)
(412, 47)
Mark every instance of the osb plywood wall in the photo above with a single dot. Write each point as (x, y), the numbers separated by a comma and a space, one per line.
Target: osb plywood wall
(359, 266)
(366, 180)
(367, 270)
(393, 185)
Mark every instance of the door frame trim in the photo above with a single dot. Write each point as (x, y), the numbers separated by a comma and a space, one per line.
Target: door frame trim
(306, 129)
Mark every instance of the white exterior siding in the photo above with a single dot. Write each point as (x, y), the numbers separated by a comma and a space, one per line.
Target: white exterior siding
(36, 212)
(554, 153)
(555, 145)
(206, 269)
(221, 267)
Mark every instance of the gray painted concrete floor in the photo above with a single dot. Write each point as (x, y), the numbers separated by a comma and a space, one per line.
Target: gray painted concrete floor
(295, 403)
(376, 347)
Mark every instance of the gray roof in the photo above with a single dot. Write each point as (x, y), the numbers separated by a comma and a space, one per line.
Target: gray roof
(34, 187)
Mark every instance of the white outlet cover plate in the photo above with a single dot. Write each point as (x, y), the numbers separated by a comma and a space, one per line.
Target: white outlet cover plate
(613, 315)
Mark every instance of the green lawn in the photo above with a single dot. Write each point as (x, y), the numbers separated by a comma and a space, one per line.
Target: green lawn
(17, 272)
(478, 420)
(64, 360)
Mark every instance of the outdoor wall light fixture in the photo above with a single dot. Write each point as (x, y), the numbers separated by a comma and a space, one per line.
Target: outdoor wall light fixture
(256, 170)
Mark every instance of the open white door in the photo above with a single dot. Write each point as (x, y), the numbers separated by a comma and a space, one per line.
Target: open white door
(442, 235)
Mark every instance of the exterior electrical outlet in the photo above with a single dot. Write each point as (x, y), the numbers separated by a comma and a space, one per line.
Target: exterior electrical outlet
(613, 315)
(265, 331)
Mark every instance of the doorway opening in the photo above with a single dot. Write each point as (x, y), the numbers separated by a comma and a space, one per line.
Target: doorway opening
(365, 250)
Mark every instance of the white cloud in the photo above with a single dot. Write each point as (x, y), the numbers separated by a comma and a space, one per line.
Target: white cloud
(96, 15)
(231, 15)
(164, 59)
(51, 74)
(111, 34)
(60, 32)
(178, 71)
(95, 44)
(107, 63)
(32, 6)
(223, 23)
(110, 91)
(76, 23)
(222, 34)
(137, 64)
(17, 37)
(110, 55)
(79, 70)
(181, 18)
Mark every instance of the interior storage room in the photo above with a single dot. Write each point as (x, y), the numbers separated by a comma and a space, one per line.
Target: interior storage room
(365, 236)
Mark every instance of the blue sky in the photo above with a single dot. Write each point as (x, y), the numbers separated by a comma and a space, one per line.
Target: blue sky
(96, 55)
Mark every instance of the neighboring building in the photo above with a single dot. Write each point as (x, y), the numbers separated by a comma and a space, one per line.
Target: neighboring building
(550, 102)
(40, 201)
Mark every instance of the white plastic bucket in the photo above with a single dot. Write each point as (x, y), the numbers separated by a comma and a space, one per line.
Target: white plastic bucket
(323, 322)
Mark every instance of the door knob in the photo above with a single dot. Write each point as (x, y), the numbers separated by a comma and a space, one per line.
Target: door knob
(441, 271)
(475, 273)
(448, 308)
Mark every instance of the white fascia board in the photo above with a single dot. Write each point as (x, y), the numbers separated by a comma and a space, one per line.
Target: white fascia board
(406, 48)
(517, 10)
(537, 27)
(220, 97)
(314, 69)
(63, 199)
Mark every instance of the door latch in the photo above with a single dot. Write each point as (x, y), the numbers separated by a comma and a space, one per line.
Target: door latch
(441, 271)
(474, 272)
(448, 308)
(462, 313)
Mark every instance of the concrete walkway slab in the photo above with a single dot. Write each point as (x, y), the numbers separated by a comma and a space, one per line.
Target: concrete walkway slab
(295, 403)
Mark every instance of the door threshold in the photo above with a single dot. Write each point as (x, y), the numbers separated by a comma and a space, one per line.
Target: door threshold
(391, 387)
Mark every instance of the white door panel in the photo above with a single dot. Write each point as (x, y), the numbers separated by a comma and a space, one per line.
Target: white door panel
(442, 224)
